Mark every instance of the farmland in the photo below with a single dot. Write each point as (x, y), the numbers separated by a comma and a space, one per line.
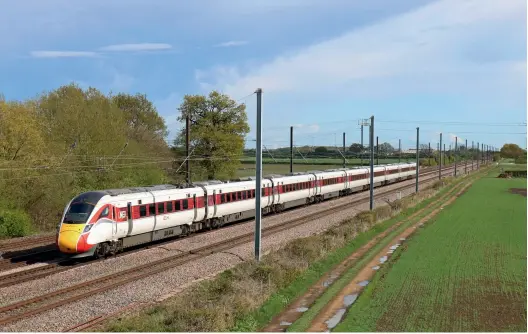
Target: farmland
(465, 271)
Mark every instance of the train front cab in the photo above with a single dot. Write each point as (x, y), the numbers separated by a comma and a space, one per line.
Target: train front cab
(73, 230)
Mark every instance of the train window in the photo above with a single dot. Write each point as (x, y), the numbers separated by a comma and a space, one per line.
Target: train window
(239, 195)
(105, 212)
(161, 208)
(222, 198)
(178, 205)
(253, 193)
(152, 209)
(169, 206)
(143, 211)
(185, 204)
(244, 195)
(263, 192)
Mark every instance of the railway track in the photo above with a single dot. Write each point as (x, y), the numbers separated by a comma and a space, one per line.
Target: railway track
(12, 245)
(60, 266)
(26, 308)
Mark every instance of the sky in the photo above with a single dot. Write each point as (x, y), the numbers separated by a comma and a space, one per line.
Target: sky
(456, 67)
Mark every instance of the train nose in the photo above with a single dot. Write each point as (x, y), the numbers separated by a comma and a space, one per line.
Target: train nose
(69, 236)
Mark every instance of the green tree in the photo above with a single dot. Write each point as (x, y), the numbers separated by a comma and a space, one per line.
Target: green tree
(218, 127)
(321, 149)
(20, 137)
(511, 151)
(386, 148)
(356, 148)
(144, 122)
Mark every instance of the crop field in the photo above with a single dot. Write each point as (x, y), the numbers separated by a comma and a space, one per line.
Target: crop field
(464, 271)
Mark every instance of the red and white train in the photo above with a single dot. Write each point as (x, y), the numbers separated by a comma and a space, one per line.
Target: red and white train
(104, 222)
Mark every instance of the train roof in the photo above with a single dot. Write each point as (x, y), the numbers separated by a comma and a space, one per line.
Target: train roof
(133, 190)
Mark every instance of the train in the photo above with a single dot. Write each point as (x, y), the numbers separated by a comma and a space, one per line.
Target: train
(104, 222)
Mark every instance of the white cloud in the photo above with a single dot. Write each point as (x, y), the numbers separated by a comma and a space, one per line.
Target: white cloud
(425, 49)
(137, 47)
(62, 54)
(231, 43)
(307, 128)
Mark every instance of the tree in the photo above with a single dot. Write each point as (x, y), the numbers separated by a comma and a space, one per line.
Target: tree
(140, 114)
(511, 151)
(321, 149)
(218, 128)
(20, 137)
(386, 148)
(356, 148)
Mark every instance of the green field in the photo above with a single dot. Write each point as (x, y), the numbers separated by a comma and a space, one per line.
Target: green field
(512, 166)
(465, 271)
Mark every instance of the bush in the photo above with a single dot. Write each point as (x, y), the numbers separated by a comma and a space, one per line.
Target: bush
(14, 223)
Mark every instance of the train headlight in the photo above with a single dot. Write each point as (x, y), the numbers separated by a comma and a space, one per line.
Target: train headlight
(87, 228)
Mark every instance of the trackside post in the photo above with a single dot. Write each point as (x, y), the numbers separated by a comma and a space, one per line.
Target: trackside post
(258, 190)
(440, 158)
(371, 162)
(417, 155)
(456, 146)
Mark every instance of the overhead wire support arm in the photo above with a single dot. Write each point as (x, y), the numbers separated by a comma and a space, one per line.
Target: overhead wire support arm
(113, 162)
(269, 153)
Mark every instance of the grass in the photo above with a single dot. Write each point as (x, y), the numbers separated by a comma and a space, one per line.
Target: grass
(465, 271)
(247, 296)
(512, 166)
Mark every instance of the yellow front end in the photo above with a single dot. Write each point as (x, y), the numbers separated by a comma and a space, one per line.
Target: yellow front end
(68, 238)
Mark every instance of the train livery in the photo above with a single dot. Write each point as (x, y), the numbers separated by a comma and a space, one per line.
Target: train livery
(102, 223)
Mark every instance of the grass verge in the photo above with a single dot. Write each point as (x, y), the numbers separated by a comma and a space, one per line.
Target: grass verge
(465, 272)
(247, 296)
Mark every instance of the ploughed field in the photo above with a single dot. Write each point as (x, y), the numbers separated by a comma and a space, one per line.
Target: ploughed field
(464, 271)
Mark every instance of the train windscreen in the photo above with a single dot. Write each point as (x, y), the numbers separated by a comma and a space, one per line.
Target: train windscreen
(81, 207)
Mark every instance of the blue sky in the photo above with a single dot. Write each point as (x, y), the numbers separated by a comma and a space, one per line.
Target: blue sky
(451, 66)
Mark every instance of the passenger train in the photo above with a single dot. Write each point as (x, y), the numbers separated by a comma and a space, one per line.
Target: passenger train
(102, 223)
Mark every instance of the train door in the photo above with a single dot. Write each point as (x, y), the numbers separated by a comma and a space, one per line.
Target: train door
(129, 217)
(319, 183)
(214, 203)
(195, 207)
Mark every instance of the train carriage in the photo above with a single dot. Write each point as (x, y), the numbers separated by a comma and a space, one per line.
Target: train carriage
(379, 175)
(293, 190)
(329, 184)
(358, 179)
(232, 201)
(408, 170)
(392, 173)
